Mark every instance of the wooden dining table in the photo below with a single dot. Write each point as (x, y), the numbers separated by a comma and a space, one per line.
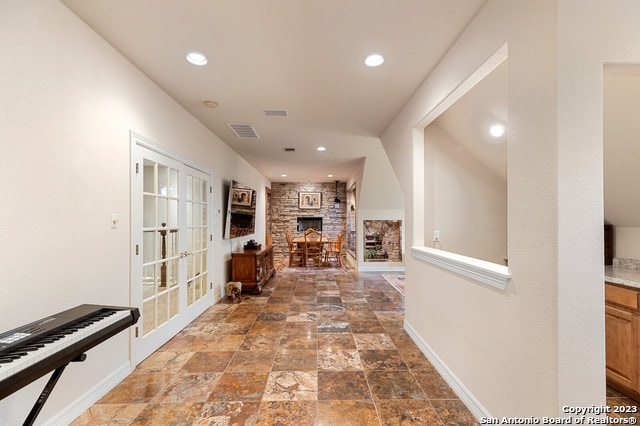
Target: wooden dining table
(300, 242)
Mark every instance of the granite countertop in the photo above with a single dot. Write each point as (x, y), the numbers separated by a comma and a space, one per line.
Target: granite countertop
(623, 271)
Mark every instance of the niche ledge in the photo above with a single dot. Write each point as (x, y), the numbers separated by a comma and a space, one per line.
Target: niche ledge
(488, 273)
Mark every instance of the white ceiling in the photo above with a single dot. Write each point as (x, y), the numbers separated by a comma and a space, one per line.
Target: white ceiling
(302, 56)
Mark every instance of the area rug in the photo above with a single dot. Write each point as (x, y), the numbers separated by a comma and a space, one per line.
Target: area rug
(397, 281)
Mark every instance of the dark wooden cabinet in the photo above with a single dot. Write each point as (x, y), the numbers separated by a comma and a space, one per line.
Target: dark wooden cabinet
(608, 244)
(252, 268)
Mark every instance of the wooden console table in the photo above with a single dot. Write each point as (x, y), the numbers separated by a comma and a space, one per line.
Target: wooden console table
(252, 268)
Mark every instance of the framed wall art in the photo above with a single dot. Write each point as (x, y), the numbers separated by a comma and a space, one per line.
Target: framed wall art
(309, 200)
(241, 197)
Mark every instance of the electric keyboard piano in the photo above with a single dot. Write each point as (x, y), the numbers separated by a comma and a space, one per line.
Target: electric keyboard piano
(35, 349)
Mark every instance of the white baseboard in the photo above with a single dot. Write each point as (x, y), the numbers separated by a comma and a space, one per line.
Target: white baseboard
(452, 380)
(84, 402)
(381, 268)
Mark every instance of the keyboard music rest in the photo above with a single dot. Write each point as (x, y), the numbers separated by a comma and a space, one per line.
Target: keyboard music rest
(35, 364)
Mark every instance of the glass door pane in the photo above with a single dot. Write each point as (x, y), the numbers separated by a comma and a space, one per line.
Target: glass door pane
(160, 248)
(169, 242)
(197, 238)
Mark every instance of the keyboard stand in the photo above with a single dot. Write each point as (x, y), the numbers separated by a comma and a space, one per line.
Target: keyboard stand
(44, 395)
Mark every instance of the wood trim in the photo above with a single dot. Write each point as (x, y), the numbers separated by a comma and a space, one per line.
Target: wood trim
(621, 296)
(621, 349)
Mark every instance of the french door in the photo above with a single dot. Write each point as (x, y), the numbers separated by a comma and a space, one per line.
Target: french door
(170, 246)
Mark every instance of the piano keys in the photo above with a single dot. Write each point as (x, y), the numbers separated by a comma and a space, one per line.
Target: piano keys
(35, 349)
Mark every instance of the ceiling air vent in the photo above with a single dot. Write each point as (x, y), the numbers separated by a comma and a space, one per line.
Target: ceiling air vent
(276, 113)
(289, 149)
(243, 130)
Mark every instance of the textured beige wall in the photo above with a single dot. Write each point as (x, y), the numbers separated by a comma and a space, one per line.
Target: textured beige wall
(68, 103)
(540, 344)
(467, 202)
(622, 147)
(626, 241)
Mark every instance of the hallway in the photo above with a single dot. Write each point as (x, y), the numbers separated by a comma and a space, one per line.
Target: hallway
(319, 347)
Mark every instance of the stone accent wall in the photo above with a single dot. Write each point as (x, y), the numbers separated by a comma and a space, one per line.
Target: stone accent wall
(285, 213)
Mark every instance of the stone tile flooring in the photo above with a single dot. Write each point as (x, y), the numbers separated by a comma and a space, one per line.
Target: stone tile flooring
(617, 399)
(317, 347)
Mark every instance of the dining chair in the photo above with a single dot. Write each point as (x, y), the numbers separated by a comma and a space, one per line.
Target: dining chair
(295, 253)
(312, 246)
(332, 252)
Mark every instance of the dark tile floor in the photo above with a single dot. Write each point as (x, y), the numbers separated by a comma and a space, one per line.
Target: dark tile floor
(323, 347)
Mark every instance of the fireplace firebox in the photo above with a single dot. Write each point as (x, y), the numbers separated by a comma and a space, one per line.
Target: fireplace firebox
(309, 222)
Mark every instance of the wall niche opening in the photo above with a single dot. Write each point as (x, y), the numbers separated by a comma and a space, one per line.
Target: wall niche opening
(382, 240)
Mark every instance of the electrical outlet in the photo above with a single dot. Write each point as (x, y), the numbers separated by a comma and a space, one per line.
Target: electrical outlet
(436, 236)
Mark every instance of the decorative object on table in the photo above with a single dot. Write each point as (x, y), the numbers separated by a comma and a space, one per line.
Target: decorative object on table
(313, 246)
(296, 254)
(309, 200)
(252, 245)
(233, 289)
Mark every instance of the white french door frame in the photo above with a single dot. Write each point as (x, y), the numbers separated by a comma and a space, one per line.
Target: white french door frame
(143, 344)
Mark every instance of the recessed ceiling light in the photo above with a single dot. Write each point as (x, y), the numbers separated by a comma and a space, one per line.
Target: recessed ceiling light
(283, 175)
(329, 175)
(321, 148)
(210, 104)
(196, 58)
(374, 60)
(497, 130)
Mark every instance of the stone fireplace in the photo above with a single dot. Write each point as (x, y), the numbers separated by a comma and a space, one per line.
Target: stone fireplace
(286, 212)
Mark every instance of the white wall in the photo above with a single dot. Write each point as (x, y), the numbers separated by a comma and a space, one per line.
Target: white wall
(540, 344)
(379, 196)
(465, 201)
(379, 186)
(621, 160)
(68, 101)
(626, 242)
(621, 145)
